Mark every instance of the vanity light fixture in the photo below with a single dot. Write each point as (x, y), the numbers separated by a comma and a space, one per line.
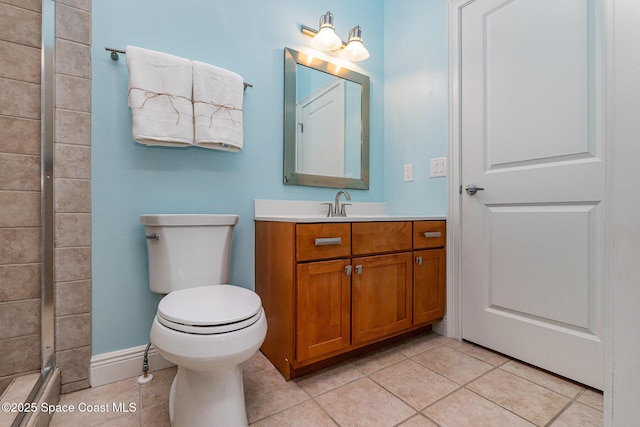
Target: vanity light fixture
(326, 39)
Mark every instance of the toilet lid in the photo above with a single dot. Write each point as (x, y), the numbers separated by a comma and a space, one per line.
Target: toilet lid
(209, 309)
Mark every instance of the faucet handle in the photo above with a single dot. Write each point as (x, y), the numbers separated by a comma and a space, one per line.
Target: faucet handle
(343, 211)
(330, 211)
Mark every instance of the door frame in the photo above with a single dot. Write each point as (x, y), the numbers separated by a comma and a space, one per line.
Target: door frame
(452, 325)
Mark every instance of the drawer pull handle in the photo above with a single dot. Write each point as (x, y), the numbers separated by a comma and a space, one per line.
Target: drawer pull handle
(359, 269)
(329, 241)
(419, 260)
(432, 234)
(347, 270)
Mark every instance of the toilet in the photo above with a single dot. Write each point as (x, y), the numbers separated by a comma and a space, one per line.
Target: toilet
(204, 325)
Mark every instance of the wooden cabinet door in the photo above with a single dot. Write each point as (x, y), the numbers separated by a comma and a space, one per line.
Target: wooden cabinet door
(323, 308)
(382, 289)
(429, 287)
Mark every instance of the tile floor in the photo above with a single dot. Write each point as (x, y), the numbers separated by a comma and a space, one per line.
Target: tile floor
(427, 381)
(17, 391)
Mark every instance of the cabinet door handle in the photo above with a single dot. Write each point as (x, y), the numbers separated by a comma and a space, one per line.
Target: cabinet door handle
(323, 241)
(432, 234)
(347, 270)
(359, 269)
(419, 260)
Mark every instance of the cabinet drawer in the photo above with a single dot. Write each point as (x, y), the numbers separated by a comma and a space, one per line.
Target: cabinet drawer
(381, 237)
(323, 241)
(429, 234)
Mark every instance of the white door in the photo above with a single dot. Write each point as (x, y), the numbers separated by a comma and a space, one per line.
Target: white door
(532, 137)
(320, 141)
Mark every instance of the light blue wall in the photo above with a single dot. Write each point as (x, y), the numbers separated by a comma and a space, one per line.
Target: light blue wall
(415, 75)
(407, 66)
(128, 179)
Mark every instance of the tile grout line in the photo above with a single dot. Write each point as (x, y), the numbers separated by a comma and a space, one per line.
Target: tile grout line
(495, 367)
(140, 402)
(545, 387)
(325, 411)
(460, 386)
(564, 409)
(310, 398)
(500, 406)
(417, 414)
(496, 403)
(419, 411)
(365, 375)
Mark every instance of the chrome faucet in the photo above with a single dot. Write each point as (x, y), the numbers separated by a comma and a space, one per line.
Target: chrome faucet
(338, 208)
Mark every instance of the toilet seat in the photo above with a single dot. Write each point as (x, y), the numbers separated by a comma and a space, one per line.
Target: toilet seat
(207, 310)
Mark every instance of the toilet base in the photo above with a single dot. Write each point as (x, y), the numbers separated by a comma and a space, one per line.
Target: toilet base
(205, 399)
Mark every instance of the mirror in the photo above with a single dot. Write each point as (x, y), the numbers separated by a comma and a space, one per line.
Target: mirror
(326, 123)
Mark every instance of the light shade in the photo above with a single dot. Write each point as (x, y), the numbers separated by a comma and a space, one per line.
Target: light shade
(355, 50)
(326, 39)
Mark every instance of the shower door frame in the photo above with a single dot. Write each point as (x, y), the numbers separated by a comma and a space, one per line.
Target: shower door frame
(47, 201)
(47, 103)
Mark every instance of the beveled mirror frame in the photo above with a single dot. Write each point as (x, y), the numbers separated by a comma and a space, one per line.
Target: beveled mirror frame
(291, 59)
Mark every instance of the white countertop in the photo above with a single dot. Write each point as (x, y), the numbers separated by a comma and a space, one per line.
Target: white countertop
(315, 211)
(360, 218)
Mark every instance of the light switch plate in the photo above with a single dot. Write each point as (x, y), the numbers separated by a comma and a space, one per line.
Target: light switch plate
(408, 172)
(438, 167)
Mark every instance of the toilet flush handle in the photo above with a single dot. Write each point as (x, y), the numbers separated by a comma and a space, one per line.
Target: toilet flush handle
(153, 236)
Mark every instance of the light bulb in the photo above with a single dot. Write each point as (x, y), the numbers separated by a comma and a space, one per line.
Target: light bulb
(326, 39)
(355, 50)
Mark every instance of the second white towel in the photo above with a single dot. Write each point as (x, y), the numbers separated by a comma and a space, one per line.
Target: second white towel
(217, 107)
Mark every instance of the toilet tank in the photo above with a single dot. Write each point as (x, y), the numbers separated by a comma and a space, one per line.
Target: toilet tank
(188, 250)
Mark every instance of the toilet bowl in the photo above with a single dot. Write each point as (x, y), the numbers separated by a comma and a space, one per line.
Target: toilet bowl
(206, 327)
(208, 332)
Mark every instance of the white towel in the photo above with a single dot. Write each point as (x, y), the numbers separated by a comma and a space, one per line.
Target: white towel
(217, 107)
(160, 88)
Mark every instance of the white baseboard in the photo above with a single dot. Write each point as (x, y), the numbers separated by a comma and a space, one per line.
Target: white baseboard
(122, 364)
(441, 327)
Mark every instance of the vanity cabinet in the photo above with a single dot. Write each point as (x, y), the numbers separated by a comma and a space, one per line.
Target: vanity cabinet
(332, 288)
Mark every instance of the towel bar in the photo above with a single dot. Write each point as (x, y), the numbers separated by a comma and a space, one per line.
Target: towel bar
(116, 57)
(115, 52)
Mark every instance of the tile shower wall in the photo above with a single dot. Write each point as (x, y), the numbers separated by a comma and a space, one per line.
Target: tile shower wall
(20, 33)
(20, 40)
(72, 193)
